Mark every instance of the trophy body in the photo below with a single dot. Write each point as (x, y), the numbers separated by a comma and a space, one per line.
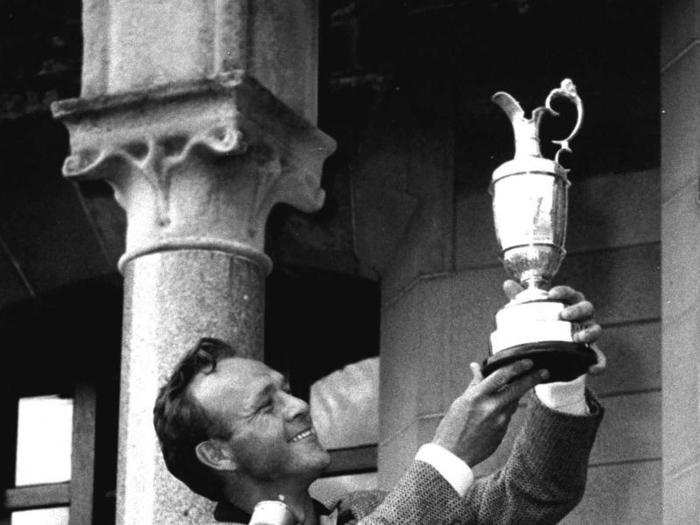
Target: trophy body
(530, 201)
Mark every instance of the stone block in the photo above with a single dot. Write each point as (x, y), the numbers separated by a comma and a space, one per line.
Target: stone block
(623, 283)
(682, 496)
(395, 456)
(431, 158)
(475, 297)
(680, 123)
(627, 493)
(681, 399)
(442, 375)
(631, 429)
(606, 211)
(382, 205)
(634, 359)
(427, 245)
(415, 355)
(157, 43)
(424, 250)
(680, 226)
(400, 347)
(475, 236)
(680, 26)
(381, 216)
(283, 49)
(615, 210)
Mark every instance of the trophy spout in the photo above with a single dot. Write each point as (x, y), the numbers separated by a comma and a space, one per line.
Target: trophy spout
(526, 131)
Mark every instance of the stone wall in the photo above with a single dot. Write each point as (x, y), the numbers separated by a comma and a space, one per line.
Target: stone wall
(680, 226)
(439, 321)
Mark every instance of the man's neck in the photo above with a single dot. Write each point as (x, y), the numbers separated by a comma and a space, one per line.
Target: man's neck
(296, 497)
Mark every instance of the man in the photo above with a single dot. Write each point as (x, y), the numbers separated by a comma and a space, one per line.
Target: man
(230, 429)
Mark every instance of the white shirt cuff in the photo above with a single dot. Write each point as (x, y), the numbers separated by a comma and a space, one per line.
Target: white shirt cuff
(568, 397)
(455, 471)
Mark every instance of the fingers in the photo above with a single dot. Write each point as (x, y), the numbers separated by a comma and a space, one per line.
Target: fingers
(588, 334)
(577, 312)
(503, 376)
(601, 362)
(566, 294)
(520, 386)
(511, 288)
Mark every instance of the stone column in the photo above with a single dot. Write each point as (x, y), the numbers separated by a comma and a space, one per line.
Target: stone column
(197, 151)
(680, 259)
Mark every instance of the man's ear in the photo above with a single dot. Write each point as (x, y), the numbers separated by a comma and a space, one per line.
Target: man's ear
(216, 454)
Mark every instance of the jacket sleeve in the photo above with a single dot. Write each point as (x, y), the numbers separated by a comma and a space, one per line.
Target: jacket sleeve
(543, 479)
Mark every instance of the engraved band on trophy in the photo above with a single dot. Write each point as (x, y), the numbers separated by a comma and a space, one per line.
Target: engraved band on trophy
(530, 200)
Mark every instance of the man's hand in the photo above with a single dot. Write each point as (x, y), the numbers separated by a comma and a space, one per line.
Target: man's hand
(476, 422)
(578, 311)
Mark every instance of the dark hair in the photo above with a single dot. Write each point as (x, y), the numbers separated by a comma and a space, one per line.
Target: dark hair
(182, 423)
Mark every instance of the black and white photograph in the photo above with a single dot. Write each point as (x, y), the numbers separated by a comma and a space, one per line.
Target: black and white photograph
(334, 262)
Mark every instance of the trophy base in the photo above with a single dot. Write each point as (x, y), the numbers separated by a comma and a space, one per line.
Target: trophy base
(564, 360)
(529, 327)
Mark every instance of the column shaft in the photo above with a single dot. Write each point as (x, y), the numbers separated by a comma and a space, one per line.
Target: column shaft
(171, 300)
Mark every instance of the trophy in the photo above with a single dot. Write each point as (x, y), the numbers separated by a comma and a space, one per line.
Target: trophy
(530, 200)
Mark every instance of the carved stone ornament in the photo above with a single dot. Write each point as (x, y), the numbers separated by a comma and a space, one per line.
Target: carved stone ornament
(197, 164)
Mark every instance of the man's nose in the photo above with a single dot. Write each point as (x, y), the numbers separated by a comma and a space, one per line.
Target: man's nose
(295, 407)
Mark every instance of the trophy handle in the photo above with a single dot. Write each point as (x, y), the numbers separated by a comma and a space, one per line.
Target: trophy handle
(567, 89)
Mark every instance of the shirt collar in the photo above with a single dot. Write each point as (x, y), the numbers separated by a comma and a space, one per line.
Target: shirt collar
(228, 512)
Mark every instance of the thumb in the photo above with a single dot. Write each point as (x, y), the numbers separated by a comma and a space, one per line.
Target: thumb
(599, 366)
(477, 376)
(511, 288)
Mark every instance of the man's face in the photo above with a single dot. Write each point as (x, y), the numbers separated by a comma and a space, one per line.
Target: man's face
(272, 434)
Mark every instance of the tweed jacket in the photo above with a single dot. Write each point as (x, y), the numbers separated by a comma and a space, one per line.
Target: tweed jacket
(543, 479)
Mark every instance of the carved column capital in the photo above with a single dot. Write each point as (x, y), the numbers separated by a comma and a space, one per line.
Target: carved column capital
(197, 164)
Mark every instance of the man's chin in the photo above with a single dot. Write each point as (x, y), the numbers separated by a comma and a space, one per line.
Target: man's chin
(322, 459)
(314, 459)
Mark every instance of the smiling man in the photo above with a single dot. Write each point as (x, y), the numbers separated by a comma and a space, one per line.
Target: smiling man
(230, 429)
(271, 448)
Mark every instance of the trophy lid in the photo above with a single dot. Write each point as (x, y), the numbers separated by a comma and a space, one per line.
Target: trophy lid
(528, 156)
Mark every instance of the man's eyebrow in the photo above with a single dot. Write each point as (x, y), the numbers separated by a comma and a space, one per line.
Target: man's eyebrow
(281, 380)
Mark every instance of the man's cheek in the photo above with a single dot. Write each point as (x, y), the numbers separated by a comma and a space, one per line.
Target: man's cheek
(264, 457)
